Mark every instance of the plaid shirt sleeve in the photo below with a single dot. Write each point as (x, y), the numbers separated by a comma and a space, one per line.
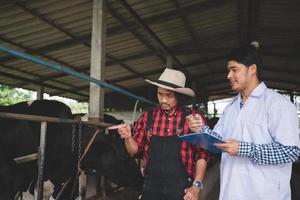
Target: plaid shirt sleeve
(273, 153)
(207, 130)
(139, 131)
(201, 153)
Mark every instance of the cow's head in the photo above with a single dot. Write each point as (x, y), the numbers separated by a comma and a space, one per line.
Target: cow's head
(108, 156)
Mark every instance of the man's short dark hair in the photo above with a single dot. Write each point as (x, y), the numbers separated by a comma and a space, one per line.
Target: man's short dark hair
(247, 55)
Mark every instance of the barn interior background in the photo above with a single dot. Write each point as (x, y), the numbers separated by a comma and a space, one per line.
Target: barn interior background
(141, 38)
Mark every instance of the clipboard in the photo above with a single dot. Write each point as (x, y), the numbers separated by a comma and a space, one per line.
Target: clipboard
(204, 140)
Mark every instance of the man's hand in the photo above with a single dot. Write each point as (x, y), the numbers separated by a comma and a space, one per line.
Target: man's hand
(191, 193)
(195, 122)
(123, 129)
(231, 146)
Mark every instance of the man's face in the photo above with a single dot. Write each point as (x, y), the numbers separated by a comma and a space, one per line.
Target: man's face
(238, 75)
(166, 98)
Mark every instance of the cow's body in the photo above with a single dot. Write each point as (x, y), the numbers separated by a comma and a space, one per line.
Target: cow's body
(19, 138)
(16, 140)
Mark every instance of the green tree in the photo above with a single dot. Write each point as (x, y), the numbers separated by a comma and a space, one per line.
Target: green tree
(10, 95)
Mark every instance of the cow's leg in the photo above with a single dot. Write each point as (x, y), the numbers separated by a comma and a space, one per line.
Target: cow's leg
(65, 175)
(7, 178)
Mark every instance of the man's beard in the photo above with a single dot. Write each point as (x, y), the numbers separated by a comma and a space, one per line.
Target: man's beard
(167, 107)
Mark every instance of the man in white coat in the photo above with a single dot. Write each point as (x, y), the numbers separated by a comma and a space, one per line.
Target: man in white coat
(260, 127)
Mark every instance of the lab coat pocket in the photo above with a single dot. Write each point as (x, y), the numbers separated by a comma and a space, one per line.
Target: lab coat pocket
(256, 132)
(260, 187)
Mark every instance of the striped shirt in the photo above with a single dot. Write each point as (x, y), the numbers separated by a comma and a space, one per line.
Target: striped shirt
(168, 125)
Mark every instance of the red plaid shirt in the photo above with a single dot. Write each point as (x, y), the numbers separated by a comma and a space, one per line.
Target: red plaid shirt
(168, 125)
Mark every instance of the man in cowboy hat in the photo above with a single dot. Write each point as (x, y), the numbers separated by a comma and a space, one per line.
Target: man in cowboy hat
(170, 165)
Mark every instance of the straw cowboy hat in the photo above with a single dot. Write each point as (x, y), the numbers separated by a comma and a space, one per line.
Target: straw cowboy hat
(173, 80)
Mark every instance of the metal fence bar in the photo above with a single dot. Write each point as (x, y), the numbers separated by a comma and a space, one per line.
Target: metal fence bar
(50, 119)
(42, 148)
(73, 73)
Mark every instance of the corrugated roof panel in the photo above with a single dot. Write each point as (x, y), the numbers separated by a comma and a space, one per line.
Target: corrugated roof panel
(151, 8)
(14, 71)
(42, 40)
(115, 72)
(15, 18)
(189, 2)
(133, 83)
(124, 44)
(143, 65)
(279, 13)
(197, 69)
(216, 27)
(20, 25)
(71, 53)
(115, 40)
(8, 10)
(72, 81)
(172, 32)
(38, 3)
(57, 6)
(59, 84)
(7, 81)
(30, 67)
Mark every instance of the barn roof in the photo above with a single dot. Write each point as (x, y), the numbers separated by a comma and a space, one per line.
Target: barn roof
(196, 34)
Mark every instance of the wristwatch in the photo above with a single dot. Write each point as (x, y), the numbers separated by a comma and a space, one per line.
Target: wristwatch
(198, 184)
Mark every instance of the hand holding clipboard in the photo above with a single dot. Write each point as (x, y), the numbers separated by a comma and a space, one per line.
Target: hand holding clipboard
(205, 138)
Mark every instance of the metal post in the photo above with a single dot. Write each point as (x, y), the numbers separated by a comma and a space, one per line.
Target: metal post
(40, 181)
(96, 99)
(40, 93)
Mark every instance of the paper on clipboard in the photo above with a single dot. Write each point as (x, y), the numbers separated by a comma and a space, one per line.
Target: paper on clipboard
(204, 139)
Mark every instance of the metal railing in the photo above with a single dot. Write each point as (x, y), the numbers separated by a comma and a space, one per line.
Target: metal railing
(41, 151)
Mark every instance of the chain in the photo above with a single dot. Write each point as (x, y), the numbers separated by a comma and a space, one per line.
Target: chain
(79, 139)
(79, 149)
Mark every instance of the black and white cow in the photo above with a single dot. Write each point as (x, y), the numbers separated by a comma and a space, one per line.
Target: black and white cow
(19, 138)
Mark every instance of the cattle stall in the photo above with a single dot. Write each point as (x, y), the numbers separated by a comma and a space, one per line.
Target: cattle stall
(41, 150)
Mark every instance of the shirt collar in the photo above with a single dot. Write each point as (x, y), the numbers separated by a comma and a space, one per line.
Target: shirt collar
(257, 92)
(167, 114)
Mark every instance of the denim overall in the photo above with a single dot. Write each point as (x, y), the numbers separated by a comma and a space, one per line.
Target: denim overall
(166, 176)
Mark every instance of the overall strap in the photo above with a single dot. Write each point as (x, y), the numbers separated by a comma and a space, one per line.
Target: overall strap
(149, 121)
(186, 111)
